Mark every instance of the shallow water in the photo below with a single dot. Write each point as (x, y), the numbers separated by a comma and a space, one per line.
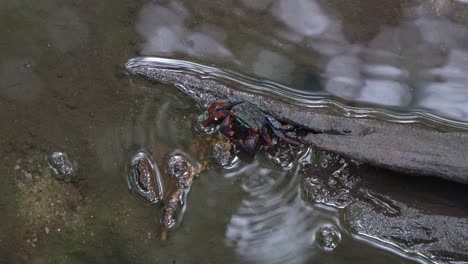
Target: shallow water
(404, 54)
(62, 88)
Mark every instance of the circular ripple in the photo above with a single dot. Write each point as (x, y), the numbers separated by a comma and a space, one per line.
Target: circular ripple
(272, 216)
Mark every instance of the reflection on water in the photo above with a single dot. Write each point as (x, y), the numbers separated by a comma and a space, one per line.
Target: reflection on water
(272, 216)
(412, 58)
(165, 33)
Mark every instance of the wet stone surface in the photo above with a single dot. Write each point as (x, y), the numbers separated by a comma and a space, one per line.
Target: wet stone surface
(423, 150)
(437, 233)
(438, 237)
(331, 180)
(223, 153)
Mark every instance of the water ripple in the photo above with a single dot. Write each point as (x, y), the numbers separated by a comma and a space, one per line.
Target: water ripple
(272, 216)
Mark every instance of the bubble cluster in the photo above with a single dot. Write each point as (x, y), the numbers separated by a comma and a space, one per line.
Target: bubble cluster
(178, 166)
(328, 238)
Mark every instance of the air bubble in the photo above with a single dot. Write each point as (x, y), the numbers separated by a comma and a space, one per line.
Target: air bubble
(328, 238)
(326, 160)
(62, 167)
(179, 166)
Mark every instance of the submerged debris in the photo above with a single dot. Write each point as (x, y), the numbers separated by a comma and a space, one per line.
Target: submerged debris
(145, 178)
(180, 167)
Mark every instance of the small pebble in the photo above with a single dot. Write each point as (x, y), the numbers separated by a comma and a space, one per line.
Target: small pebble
(28, 175)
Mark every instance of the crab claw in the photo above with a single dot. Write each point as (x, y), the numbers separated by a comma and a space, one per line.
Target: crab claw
(219, 114)
(226, 127)
(249, 144)
(223, 105)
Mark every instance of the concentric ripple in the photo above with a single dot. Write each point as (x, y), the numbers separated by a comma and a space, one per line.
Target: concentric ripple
(272, 216)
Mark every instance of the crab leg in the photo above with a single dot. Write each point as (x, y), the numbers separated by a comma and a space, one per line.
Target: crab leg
(283, 137)
(278, 129)
(223, 105)
(249, 144)
(267, 140)
(226, 127)
(177, 200)
(219, 114)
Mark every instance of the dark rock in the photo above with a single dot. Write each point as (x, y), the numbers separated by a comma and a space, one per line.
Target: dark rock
(410, 148)
(424, 219)
(437, 237)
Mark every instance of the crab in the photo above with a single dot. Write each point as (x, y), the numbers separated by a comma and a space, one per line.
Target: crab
(246, 125)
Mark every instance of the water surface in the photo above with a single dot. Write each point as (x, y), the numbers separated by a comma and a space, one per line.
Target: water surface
(62, 88)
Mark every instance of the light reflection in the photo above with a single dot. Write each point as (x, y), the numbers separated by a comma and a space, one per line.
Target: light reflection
(165, 33)
(304, 17)
(272, 224)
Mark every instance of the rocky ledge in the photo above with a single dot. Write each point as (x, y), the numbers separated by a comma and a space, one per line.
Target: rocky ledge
(416, 148)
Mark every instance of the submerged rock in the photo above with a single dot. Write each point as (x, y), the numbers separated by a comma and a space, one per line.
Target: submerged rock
(423, 218)
(436, 237)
